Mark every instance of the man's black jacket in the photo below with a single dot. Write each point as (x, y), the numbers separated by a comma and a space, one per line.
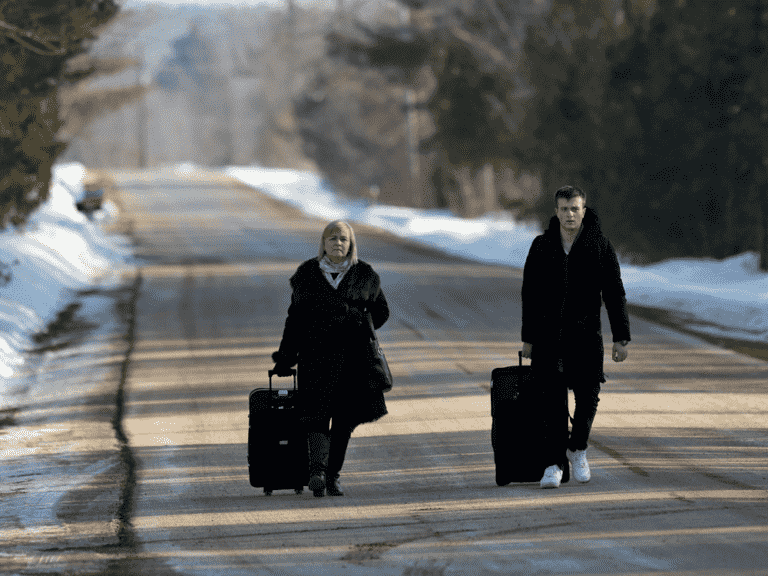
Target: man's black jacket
(562, 296)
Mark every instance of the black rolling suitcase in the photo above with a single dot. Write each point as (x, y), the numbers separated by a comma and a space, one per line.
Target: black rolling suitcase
(277, 445)
(524, 417)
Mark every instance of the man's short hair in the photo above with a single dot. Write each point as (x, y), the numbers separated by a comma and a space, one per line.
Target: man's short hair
(568, 192)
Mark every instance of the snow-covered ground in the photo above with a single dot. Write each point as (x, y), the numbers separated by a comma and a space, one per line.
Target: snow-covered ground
(59, 252)
(726, 298)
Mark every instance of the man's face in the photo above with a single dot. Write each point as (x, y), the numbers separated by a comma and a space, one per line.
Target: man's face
(570, 213)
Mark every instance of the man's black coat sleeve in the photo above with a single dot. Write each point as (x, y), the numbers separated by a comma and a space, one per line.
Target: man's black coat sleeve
(613, 293)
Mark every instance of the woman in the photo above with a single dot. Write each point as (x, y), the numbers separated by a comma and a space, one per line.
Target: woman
(327, 333)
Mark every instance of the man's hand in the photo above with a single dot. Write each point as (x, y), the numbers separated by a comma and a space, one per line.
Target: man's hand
(619, 352)
(527, 350)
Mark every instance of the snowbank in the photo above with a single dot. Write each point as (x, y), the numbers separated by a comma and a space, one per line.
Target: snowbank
(728, 298)
(59, 252)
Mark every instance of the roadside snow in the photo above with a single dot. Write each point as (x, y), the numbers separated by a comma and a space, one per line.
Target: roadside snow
(726, 298)
(59, 252)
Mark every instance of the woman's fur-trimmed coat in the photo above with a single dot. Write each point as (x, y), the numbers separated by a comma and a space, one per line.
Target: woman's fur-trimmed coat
(562, 296)
(327, 333)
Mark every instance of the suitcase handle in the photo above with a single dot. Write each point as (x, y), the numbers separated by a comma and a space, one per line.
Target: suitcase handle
(520, 358)
(273, 373)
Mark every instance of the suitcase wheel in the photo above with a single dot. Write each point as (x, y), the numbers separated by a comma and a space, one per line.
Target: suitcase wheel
(267, 491)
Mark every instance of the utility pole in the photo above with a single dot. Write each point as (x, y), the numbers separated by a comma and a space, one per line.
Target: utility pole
(141, 113)
(412, 132)
(230, 99)
(291, 7)
(488, 174)
(412, 137)
(290, 38)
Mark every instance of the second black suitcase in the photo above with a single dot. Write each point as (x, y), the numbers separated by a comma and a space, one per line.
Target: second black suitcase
(278, 457)
(525, 418)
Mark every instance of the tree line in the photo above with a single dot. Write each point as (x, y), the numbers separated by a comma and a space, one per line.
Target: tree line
(657, 109)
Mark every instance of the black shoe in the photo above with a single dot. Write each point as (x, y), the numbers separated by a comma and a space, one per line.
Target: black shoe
(317, 484)
(334, 487)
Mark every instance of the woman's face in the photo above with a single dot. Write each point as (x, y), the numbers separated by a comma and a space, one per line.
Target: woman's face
(337, 245)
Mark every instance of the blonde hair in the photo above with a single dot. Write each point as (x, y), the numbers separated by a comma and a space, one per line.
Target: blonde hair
(341, 226)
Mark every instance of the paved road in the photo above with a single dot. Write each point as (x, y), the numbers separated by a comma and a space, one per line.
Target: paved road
(679, 456)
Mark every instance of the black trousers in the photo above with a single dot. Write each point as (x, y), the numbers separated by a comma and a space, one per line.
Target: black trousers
(586, 396)
(338, 432)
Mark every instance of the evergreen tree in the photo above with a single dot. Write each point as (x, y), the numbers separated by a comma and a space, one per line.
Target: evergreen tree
(669, 139)
(749, 127)
(691, 83)
(37, 39)
(568, 136)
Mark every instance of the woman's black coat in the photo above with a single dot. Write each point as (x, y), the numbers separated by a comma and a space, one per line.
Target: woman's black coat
(327, 333)
(562, 299)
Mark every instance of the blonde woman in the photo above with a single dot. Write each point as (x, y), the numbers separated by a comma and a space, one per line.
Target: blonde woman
(327, 333)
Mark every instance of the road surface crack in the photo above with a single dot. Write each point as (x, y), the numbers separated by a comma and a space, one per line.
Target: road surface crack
(125, 533)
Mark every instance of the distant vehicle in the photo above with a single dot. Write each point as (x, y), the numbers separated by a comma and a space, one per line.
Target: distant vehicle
(92, 199)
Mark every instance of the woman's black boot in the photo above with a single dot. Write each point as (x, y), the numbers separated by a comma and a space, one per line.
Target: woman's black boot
(317, 484)
(319, 445)
(340, 435)
(333, 486)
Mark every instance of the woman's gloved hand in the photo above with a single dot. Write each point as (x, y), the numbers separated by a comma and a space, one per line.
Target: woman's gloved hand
(283, 363)
(282, 370)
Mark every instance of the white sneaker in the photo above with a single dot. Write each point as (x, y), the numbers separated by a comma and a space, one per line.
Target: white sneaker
(552, 477)
(578, 460)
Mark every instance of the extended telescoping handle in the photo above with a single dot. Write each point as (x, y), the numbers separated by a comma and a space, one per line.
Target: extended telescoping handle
(273, 373)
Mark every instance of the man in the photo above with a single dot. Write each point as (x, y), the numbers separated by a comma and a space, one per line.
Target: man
(570, 270)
